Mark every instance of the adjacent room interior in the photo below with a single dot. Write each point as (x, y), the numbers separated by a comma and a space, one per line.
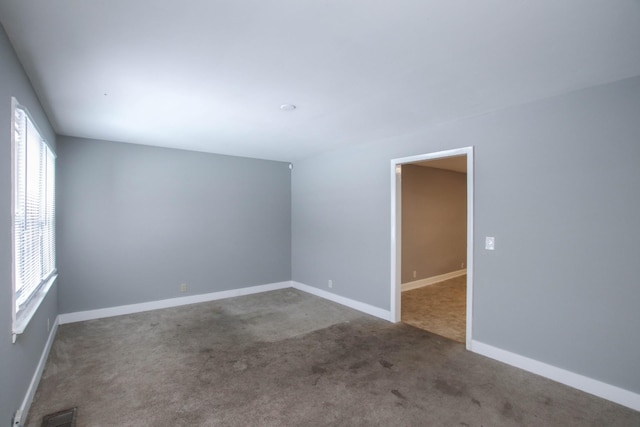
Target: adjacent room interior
(434, 246)
(211, 235)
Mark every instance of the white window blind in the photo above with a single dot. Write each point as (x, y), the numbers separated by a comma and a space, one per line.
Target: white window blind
(34, 217)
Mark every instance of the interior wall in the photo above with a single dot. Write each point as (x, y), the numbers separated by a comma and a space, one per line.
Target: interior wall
(17, 361)
(134, 222)
(556, 183)
(434, 222)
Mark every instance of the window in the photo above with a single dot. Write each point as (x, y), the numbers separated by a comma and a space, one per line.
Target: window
(34, 253)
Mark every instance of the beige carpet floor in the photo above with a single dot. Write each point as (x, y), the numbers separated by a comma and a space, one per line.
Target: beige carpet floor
(440, 308)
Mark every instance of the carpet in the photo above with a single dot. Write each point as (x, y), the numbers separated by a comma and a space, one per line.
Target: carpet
(287, 358)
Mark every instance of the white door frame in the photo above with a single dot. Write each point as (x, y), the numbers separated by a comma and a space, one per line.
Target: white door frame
(396, 235)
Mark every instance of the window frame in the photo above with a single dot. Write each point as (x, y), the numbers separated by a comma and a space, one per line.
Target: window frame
(21, 316)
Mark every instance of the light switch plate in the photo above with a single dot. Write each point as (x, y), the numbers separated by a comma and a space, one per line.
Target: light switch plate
(490, 243)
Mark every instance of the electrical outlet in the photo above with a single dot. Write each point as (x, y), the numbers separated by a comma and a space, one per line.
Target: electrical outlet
(462, 264)
(15, 421)
(183, 287)
(330, 284)
(415, 273)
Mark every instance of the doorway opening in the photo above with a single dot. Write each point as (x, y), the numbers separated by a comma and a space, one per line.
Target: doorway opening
(437, 267)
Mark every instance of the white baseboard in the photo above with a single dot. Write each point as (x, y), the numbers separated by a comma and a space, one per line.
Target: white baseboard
(81, 316)
(356, 305)
(598, 388)
(432, 280)
(22, 413)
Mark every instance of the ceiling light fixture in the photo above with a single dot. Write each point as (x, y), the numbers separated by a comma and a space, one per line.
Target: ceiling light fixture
(287, 107)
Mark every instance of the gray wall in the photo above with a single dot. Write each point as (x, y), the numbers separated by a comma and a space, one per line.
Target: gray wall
(17, 361)
(434, 222)
(556, 182)
(136, 221)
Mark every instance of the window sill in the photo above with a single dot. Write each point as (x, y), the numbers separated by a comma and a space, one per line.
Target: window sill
(23, 318)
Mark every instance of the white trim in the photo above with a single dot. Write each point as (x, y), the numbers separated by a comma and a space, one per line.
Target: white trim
(396, 241)
(22, 320)
(396, 235)
(589, 385)
(356, 305)
(33, 386)
(100, 313)
(14, 105)
(432, 280)
(81, 316)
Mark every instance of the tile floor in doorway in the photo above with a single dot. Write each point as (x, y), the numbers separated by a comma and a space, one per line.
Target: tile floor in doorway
(439, 308)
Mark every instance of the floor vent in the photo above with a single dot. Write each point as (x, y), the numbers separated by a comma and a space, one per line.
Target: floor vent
(66, 418)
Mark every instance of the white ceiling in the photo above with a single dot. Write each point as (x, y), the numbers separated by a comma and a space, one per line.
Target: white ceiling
(210, 75)
(453, 163)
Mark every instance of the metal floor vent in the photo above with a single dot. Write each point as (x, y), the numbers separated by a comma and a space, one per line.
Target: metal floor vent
(66, 418)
